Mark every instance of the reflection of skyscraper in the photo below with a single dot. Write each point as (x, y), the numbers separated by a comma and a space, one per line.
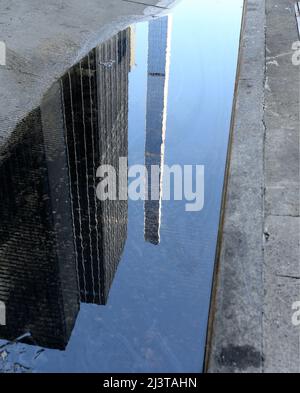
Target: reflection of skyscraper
(58, 243)
(38, 283)
(95, 94)
(113, 126)
(132, 46)
(158, 76)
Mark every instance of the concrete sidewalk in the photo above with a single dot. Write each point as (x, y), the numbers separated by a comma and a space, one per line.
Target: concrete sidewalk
(258, 266)
(44, 39)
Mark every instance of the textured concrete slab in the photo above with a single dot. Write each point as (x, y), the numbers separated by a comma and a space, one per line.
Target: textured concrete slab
(282, 289)
(281, 259)
(281, 341)
(258, 270)
(282, 175)
(44, 39)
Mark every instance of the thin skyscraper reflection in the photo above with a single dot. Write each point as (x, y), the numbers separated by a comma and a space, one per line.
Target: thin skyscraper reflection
(156, 119)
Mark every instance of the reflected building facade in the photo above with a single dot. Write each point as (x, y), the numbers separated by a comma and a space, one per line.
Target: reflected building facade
(95, 97)
(38, 283)
(59, 244)
(156, 119)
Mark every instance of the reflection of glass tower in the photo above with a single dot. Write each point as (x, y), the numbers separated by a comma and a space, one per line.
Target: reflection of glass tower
(38, 283)
(113, 126)
(158, 76)
(58, 243)
(95, 96)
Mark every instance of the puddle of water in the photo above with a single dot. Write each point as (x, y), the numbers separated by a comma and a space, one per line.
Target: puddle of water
(118, 286)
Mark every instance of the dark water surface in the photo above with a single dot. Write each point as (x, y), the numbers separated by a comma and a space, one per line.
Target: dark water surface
(118, 286)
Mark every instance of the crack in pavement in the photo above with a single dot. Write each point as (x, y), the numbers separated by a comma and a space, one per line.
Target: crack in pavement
(149, 5)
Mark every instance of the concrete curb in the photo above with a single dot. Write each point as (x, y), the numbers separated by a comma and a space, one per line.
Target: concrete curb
(250, 322)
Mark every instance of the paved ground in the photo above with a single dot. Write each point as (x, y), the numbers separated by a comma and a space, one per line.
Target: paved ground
(258, 272)
(67, 30)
